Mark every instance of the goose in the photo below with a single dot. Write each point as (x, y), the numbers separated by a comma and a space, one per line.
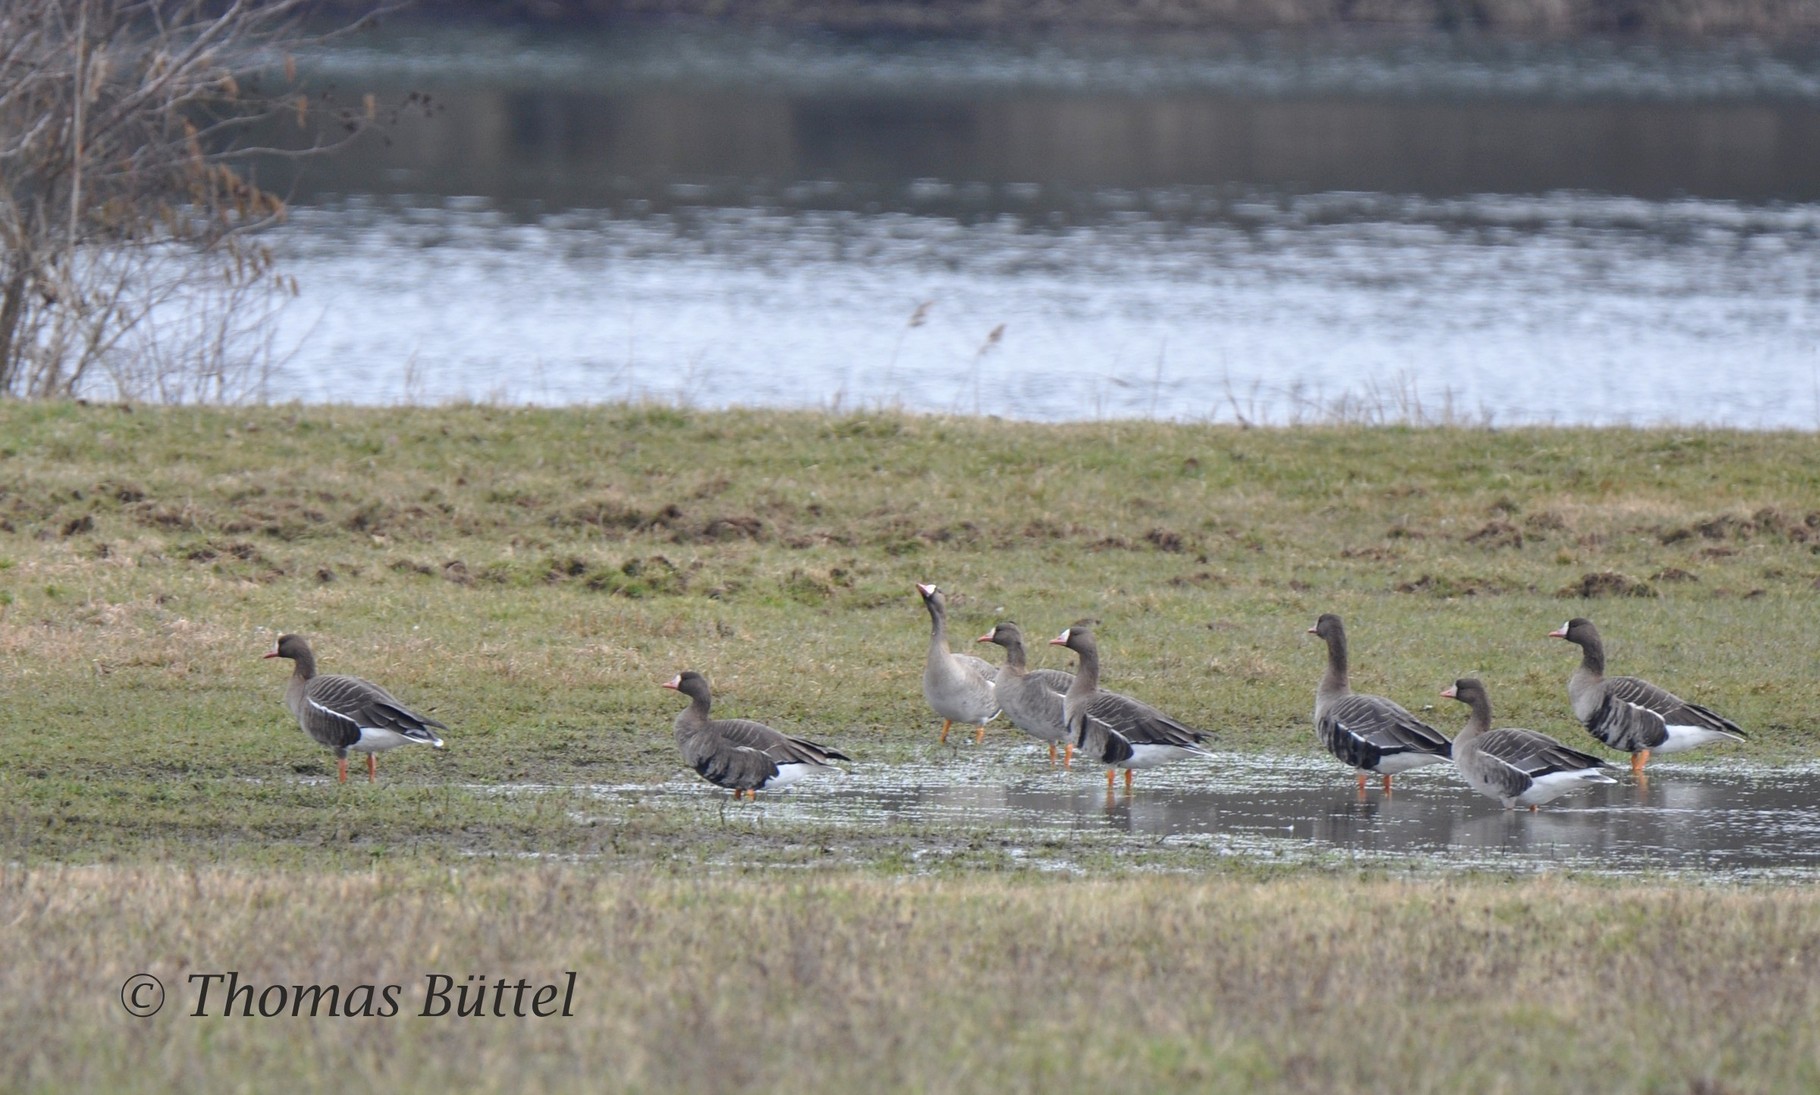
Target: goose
(743, 756)
(1116, 730)
(1516, 767)
(957, 686)
(1370, 733)
(1031, 698)
(1632, 715)
(346, 713)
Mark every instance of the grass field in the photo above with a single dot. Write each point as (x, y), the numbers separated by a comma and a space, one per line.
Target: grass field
(1225, 982)
(530, 576)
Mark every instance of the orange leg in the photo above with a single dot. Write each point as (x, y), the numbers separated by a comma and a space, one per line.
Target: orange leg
(981, 736)
(1361, 783)
(1387, 785)
(1532, 807)
(372, 768)
(1068, 755)
(1637, 761)
(1111, 775)
(946, 723)
(341, 768)
(1052, 754)
(1128, 775)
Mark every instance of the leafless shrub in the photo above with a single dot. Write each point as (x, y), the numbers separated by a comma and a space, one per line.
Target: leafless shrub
(129, 200)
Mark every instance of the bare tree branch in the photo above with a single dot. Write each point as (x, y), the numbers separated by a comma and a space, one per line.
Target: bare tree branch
(126, 199)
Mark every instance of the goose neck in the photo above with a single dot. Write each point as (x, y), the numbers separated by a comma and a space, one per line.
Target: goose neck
(1478, 720)
(1592, 657)
(1087, 673)
(1334, 681)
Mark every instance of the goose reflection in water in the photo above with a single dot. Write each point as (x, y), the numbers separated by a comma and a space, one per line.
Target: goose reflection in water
(1726, 821)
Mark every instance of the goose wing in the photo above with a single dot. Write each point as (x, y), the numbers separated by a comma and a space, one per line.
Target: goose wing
(773, 743)
(1362, 730)
(1669, 708)
(805, 751)
(727, 765)
(984, 668)
(1138, 723)
(338, 708)
(1032, 705)
(1097, 738)
(1534, 755)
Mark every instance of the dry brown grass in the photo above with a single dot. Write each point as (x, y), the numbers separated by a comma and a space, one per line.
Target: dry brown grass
(842, 982)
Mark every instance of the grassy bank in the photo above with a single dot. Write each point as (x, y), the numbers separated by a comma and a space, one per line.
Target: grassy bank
(1243, 983)
(529, 576)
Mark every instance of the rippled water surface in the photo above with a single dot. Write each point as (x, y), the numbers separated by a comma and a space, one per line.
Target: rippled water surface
(1730, 822)
(1261, 230)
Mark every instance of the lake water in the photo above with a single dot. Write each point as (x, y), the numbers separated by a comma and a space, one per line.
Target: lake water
(1269, 230)
(1731, 822)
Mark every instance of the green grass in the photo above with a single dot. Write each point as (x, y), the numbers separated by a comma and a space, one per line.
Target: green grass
(530, 577)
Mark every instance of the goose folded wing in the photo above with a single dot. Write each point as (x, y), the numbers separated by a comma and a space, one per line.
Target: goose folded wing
(1509, 778)
(734, 766)
(1141, 724)
(367, 706)
(981, 666)
(329, 726)
(1385, 726)
(1101, 737)
(1025, 699)
(1625, 723)
(1670, 708)
(773, 743)
(1038, 702)
(1535, 755)
(804, 751)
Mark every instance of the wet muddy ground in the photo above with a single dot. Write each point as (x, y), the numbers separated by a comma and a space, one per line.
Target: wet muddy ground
(1720, 821)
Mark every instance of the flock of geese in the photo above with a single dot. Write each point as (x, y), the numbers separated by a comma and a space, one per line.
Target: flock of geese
(1370, 734)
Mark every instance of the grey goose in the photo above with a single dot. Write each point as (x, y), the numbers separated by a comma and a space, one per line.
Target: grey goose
(957, 686)
(1516, 767)
(743, 756)
(1369, 733)
(1632, 715)
(1114, 729)
(1031, 698)
(347, 713)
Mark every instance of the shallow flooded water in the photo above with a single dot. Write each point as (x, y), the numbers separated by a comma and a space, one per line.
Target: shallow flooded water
(1723, 822)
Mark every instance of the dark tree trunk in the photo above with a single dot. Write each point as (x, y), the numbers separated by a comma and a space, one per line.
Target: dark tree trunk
(12, 304)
